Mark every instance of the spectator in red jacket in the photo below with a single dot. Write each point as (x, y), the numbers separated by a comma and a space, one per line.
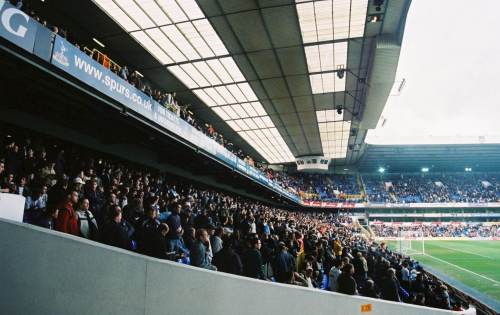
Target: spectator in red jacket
(67, 220)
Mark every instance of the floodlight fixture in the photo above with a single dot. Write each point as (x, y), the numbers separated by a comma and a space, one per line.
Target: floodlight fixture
(425, 169)
(340, 72)
(339, 109)
(378, 5)
(381, 170)
(98, 42)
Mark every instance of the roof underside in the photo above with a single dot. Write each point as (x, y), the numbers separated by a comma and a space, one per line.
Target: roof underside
(438, 157)
(264, 39)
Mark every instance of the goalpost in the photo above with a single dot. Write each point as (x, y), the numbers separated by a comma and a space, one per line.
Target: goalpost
(411, 242)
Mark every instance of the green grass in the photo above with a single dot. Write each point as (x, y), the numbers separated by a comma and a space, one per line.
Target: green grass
(476, 264)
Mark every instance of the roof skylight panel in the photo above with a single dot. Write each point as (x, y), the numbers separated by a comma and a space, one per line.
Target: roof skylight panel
(268, 122)
(117, 14)
(159, 37)
(151, 8)
(202, 95)
(251, 123)
(324, 20)
(207, 72)
(232, 114)
(224, 92)
(195, 74)
(341, 10)
(328, 80)
(194, 37)
(180, 41)
(321, 116)
(249, 109)
(183, 76)
(233, 125)
(326, 56)
(331, 19)
(148, 44)
(330, 115)
(237, 93)
(220, 71)
(259, 122)
(135, 13)
(215, 96)
(312, 58)
(307, 21)
(232, 69)
(339, 84)
(191, 8)
(316, 83)
(339, 54)
(242, 124)
(222, 114)
(358, 18)
(248, 92)
(257, 106)
(173, 10)
(239, 109)
(210, 36)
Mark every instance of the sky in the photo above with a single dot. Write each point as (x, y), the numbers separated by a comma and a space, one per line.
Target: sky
(450, 59)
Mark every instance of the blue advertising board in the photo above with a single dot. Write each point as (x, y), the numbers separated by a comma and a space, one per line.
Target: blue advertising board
(17, 27)
(73, 61)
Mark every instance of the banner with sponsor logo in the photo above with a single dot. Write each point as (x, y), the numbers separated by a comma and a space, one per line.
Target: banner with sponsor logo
(17, 27)
(328, 204)
(435, 205)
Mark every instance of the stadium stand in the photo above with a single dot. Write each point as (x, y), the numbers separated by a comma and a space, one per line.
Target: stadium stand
(448, 187)
(281, 230)
(74, 190)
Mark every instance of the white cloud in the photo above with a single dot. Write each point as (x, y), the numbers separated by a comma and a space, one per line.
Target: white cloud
(451, 62)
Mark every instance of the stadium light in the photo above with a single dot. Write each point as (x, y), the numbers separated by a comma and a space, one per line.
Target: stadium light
(468, 169)
(425, 169)
(381, 169)
(98, 42)
(340, 72)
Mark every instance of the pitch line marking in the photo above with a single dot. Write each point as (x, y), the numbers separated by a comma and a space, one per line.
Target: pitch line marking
(464, 251)
(466, 270)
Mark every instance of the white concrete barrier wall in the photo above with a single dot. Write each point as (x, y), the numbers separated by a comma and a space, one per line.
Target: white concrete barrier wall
(12, 207)
(46, 272)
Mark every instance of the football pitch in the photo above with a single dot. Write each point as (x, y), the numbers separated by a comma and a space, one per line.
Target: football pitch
(474, 264)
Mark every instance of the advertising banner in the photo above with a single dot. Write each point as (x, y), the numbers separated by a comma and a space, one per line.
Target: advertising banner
(17, 27)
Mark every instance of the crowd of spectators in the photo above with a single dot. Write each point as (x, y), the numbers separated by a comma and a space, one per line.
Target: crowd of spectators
(461, 229)
(432, 188)
(74, 190)
(326, 187)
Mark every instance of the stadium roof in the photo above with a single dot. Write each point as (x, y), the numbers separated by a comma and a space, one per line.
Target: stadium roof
(265, 71)
(437, 158)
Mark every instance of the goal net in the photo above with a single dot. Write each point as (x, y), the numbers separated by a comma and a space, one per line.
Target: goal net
(410, 242)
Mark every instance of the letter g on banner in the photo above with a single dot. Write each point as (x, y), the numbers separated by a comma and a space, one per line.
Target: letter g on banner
(7, 15)
(17, 27)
